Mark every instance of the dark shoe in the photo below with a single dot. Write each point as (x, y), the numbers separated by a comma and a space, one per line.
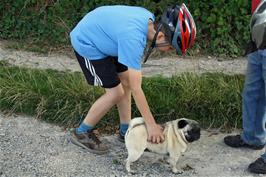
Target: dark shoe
(88, 141)
(259, 166)
(121, 138)
(236, 142)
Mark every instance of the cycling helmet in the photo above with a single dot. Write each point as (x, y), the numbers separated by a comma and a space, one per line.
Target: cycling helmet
(179, 27)
(258, 25)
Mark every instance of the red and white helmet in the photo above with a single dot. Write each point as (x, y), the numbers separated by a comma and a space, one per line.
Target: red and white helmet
(179, 27)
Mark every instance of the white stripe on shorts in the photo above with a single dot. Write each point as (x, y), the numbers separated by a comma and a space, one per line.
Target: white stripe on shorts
(89, 66)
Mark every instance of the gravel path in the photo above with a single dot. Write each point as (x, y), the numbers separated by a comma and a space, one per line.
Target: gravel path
(30, 147)
(163, 66)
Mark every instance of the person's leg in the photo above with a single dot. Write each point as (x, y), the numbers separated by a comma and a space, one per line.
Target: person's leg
(100, 107)
(261, 121)
(124, 105)
(253, 100)
(98, 73)
(261, 132)
(103, 104)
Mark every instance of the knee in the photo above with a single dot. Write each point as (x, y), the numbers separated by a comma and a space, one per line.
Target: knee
(116, 94)
(119, 95)
(125, 84)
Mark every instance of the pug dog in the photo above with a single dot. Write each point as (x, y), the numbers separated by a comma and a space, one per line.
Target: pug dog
(178, 133)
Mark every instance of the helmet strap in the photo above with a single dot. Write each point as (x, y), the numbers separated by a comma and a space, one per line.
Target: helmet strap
(152, 43)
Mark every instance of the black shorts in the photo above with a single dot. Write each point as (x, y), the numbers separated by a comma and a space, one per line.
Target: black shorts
(102, 72)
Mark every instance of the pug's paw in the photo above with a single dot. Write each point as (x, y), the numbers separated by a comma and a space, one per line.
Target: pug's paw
(132, 172)
(167, 160)
(177, 171)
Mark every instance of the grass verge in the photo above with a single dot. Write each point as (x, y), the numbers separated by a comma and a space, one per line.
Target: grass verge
(64, 98)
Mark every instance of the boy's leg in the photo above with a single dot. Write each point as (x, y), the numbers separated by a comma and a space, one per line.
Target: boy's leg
(124, 105)
(88, 139)
(99, 73)
(102, 72)
(103, 104)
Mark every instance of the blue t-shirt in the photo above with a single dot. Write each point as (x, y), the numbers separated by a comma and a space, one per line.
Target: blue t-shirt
(113, 31)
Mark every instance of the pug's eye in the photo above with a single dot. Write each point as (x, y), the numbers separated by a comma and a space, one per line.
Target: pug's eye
(182, 123)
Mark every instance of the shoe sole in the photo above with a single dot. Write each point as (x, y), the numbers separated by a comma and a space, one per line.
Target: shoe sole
(257, 171)
(120, 139)
(74, 141)
(256, 148)
(244, 146)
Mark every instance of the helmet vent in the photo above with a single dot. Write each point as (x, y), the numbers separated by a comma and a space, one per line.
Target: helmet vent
(179, 41)
(184, 27)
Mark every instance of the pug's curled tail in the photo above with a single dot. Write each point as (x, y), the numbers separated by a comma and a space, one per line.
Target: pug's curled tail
(134, 123)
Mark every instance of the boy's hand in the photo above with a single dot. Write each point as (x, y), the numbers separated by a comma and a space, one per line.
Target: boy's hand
(155, 133)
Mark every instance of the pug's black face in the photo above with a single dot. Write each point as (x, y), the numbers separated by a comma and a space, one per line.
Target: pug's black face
(193, 134)
(190, 128)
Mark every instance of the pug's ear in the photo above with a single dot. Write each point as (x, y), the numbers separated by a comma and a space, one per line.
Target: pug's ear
(182, 123)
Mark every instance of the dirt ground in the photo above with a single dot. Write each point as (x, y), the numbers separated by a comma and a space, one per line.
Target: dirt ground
(30, 147)
(162, 66)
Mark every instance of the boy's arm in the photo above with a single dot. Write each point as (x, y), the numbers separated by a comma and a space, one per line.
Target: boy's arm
(154, 130)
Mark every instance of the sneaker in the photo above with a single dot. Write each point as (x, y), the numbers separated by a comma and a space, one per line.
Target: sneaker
(121, 137)
(236, 142)
(259, 166)
(88, 141)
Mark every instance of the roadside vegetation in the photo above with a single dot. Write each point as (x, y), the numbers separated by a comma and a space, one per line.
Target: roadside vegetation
(222, 25)
(63, 98)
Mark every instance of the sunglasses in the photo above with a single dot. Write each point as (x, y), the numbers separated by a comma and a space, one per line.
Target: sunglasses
(163, 44)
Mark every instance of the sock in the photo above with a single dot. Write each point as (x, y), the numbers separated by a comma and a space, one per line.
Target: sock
(84, 128)
(123, 129)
